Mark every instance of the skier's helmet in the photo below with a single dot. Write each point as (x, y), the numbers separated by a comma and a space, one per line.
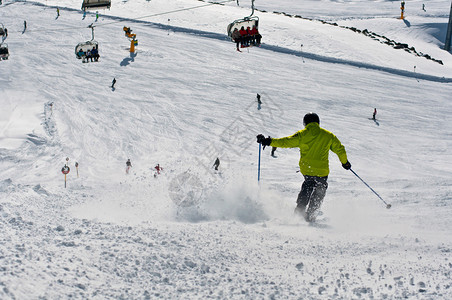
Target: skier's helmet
(310, 117)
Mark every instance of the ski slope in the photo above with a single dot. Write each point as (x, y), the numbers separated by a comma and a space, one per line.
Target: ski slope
(187, 97)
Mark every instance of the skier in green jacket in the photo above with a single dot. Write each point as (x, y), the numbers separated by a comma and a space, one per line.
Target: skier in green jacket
(314, 143)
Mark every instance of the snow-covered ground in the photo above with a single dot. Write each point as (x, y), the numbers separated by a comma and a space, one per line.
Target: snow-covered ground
(186, 98)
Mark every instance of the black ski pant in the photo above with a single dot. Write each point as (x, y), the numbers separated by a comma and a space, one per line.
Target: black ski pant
(311, 196)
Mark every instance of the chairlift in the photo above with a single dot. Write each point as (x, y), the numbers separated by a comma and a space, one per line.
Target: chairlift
(245, 22)
(4, 53)
(95, 4)
(249, 21)
(82, 48)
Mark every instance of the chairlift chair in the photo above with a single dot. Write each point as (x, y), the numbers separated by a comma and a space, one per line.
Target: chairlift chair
(85, 46)
(245, 22)
(249, 21)
(4, 53)
(95, 4)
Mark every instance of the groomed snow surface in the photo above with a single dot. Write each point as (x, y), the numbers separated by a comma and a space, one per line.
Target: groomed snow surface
(187, 97)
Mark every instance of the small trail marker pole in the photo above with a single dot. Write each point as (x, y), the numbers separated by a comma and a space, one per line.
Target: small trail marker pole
(132, 46)
(65, 170)
(301, 50)
(76, 167)
(402, 8)
(415, 74)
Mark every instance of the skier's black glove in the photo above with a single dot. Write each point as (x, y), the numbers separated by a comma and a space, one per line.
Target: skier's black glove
(347, 165)
(261, 139)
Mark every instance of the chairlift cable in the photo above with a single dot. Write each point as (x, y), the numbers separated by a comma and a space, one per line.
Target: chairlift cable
(69, 28)
(173, 11)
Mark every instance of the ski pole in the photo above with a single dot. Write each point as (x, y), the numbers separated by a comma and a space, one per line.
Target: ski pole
(259, 165)
(415, 74)
(388, 206)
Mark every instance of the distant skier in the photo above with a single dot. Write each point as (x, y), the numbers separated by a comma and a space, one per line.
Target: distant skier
(128, 165)
(259, 102)
(216, 164)
(97, 15)
(25, 25)
(314, 143)
(374, 115)
(58, 12)
(423, 7)
(158, 168)
(113, 83)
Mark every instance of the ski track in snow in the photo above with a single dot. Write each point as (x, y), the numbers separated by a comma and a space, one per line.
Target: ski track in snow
(112, 236)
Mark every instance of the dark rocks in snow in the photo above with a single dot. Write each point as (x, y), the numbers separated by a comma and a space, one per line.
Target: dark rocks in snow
(190, 264)
(400, 46)
(19, 222)
(372, 35)
(360, 292)
(369, 269)
(299, 266)
(204, 269)
(68, 244)
(59, 228)
(354, 29)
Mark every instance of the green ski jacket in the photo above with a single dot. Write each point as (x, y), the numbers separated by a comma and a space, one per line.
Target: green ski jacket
(314, 143)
